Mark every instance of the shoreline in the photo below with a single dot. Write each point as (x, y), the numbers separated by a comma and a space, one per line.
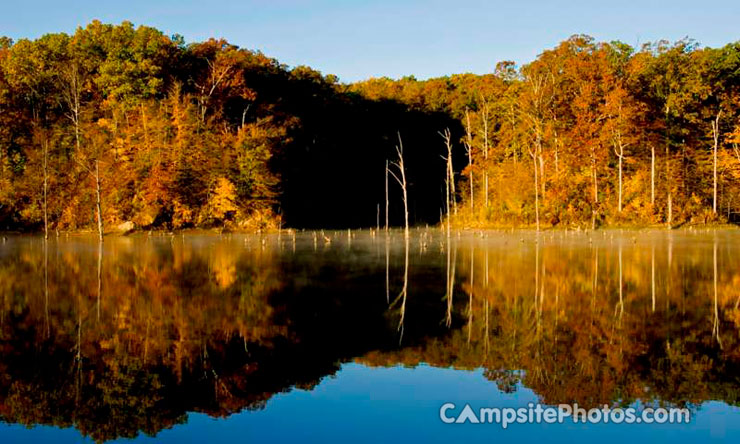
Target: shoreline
(471, 229)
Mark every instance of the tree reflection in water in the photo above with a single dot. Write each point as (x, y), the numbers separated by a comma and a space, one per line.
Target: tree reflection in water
(128, 337)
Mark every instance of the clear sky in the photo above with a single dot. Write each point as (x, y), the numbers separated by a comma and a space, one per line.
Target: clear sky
(361, 39)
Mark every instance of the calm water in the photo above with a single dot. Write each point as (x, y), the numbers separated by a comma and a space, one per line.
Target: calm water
(329, 337)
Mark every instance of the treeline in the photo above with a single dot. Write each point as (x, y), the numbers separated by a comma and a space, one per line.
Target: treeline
(138, 127)
(592, 133)
(119, 124)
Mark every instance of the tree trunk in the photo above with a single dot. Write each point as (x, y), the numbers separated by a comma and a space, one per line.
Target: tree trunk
(668, 185)
(540, 159)
(447, 202)
(386, 195)
(452, 187)
(470, 163)
(46, 185)
(485, 152)
(557, 147)
(451, 201)
(542, 171)
(405, 202)
(536, 192)
(620, 181)
(469, 146)
(715, 133)
(402, 181)
(77, 129)
(144, 126)
(594, 211)
(97, 200)
(652, 175)
(619, 151)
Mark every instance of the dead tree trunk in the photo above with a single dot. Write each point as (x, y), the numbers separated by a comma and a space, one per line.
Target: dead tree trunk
(71, 87)
(469, 149)
(621, 157)
(399, 164)
(536, 190)
(217, 73)
(97, 200)
(46, 187)
(668, 186)
(485, 151)
(619, 147)
(652, 175)
(447, 203)
(715, 134)
(451, 201)
(386, 195)
(594, 211)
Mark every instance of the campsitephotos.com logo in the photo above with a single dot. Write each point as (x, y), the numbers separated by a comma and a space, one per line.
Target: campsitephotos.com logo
(538, 414)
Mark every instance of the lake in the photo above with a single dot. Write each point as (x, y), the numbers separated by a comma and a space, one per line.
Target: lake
(361, 336)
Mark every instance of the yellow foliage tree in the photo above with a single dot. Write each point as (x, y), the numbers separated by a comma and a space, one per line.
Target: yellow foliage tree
(222, 202)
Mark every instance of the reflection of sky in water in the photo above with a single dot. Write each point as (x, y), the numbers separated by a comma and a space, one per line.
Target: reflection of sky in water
(397, 404)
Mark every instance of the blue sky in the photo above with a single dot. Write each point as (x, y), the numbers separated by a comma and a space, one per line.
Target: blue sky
(361, 39)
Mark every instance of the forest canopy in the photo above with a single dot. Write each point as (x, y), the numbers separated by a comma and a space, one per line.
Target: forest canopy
(118, 123)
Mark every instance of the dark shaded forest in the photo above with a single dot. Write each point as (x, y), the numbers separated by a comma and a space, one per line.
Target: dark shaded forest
(123, 126)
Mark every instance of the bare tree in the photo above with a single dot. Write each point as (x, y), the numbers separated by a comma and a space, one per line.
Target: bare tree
(46, 186)
(652, 175)
(97, 200)
(217, 73)
(70, 82)
(533, 114)
(94, 170)
(386, 195)
(715, 136)
(485, 148)
(668, 185)
(469, 150)
(447, 136)
(536, 190)
(619, 147)
(399, 164)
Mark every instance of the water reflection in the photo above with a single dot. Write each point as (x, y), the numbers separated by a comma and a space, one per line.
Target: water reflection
(128, 337)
